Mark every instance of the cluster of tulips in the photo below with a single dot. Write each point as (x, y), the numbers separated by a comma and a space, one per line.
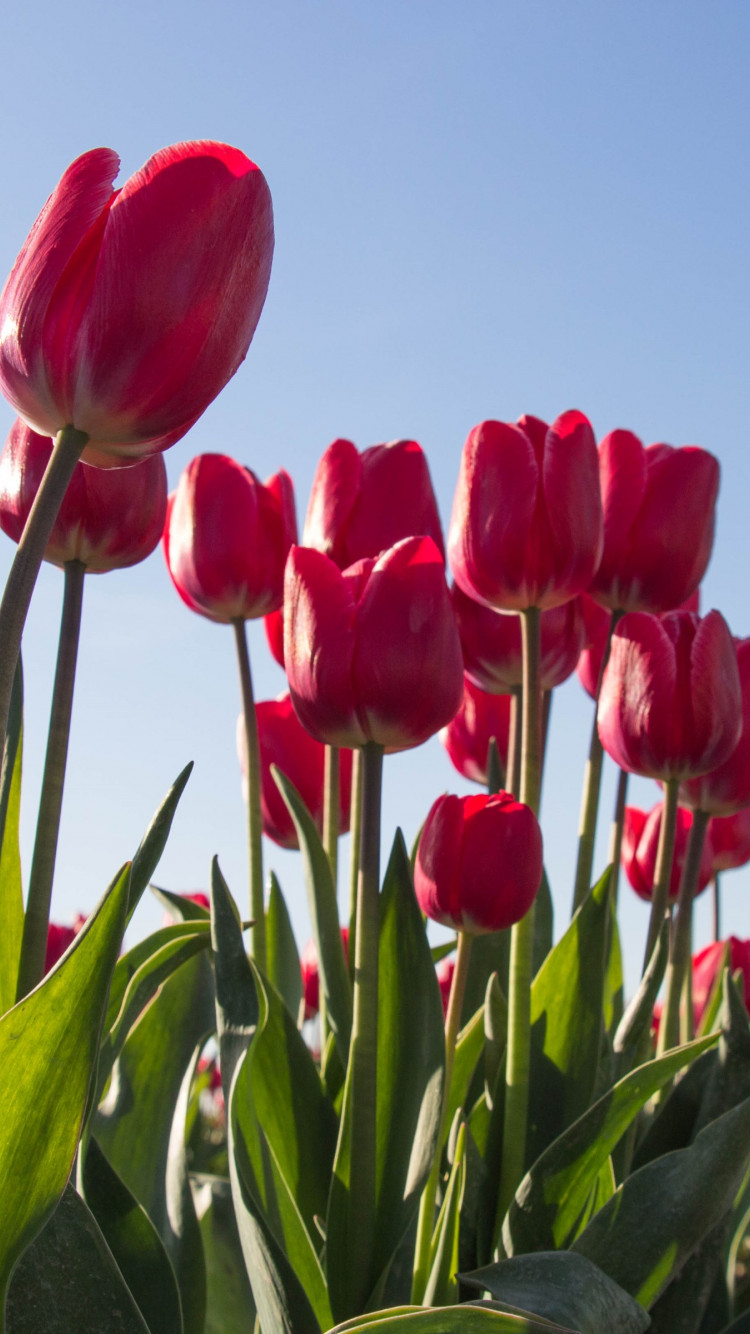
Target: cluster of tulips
(420, 1140)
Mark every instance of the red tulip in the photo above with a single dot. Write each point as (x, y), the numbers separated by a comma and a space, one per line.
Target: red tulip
(362, 504)
(659, 506)
(310, 976)
(284, 742)
(479, 862)
(372, 653)
(726, 789)
(445, 970)
(467, 737)
(491, 643)
(670, 704)
(706, 965)
(526, 528)
(596, 622)
(108, 519)
(273, 624)
(640, 842)
(59, 938)
(729, 837)
(128, 310)
(227, 537)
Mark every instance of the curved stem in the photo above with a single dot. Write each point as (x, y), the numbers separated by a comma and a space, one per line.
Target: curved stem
(254, 819)
(615, 837)
(522, 938)
(679, 952)
(591, 787)
(663, 870)
(355, 833)
(36, 920)
(427, 1203)
(14, 606)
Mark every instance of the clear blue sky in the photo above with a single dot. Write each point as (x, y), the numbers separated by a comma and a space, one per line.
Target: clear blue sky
(504, 207)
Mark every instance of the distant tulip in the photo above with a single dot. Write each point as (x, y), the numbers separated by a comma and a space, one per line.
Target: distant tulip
(284, 742)
(597, 621)
(729, 839)
(491, 643)
(128, 310)
(59, 938)
(273, 624)
(372, 653)
(671, 704)
(467, 736)
(526, 528)
(108, 519)
(445, 970)
(311, 975)
(659, 506)
(479, 862)
(640, 842)
(706, 965)
(227, 537)
(726, 789)
(362, 504)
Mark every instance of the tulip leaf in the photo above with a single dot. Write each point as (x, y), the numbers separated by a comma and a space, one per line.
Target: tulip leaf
(660, 1214)
(230, 1308)
(469, 1046)
(134, 1242)
(741, 1326)
(155, 838)
(495, 1034)
(472, 1318)
(552, 1196)
(564, 1287)
(279, 1294)
(141, 1123)
(566, 1017)
(48, 1049)
(67, 1280)
(613, 979)
(11, 887)
(180, 907)
(490, 953)
(281, 950)
(544, 924)
(631, 1034)
(324, 914)
(442, 1284)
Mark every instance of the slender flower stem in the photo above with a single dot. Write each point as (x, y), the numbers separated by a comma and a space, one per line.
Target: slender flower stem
(495, 775)
(331, 808)
(14, 607)
(522, 938)
(355, 833)
(679, 953)
(427, 1203)
(591, 786)
(513, 777)
(716, 896)
(36, 921)
(546, 718)
(615, 837)
(663, 870)
(364, 1041)
(254, 820)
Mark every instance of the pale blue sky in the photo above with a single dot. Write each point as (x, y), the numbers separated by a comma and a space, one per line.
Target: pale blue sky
(481, 210)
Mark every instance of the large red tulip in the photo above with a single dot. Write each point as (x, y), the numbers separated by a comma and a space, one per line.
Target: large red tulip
(467, 736)
(526, 527)
(227, 537)
(726, 789)
(109, 519)
(671, 703)
(361, 504)
(372, 653)
(128, 310)
(479, 862)
(640, 843)
(659, 507)
(491, 643)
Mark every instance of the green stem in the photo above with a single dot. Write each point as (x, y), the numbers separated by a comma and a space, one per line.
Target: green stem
(615, 837)
(663, 871)
(36, 920)
(363, 1051)
(429, 1194)
(254, 819)
(591, 788)
(716, 896)
(679, 951)
(522, 939)
(14, 606)
(331, 809)
(495, 774)
(355, 833)
(513, 777)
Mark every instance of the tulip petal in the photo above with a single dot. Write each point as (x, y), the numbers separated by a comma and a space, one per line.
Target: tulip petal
(334, 491)
(716, 693)
(675, 526)
(638, 697)
(438, 859)
(319, 613)
(572, 509)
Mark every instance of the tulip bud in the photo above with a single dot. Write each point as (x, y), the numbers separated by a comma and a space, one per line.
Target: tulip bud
(670, 703)
(479, 862)
(491, 643)
(362, 504)
(526, 528)
(108, 520)
(659, 505)
(128, 310)
(467, 737)
(726, 789)
(226, 538)
(372, 653)
(640, 843)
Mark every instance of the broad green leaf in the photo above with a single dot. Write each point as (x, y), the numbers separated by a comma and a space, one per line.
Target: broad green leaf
(68, 1283)
(155, 838)
(324, 914)
(713, 1004)
(469, 1046)
(673, 1125)
(179, 906)
(236, 997)
(281, 948)
(439, 952)
(134, 1242)
(631, 1037)
(549, 1202)
(442, 1284)
(729, 1082)
(472, 1318)
(566, 1023)
(495, 1034)
(660, 1215)
(613, 979)
(230, 1308)
(681, 1309)
(490, 954)
(564, 1287)
(11, 886)
(543, 924)
(48, 1048)
(600, 1194)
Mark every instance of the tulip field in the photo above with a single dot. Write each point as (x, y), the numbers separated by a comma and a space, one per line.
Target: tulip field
(221, 1129)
